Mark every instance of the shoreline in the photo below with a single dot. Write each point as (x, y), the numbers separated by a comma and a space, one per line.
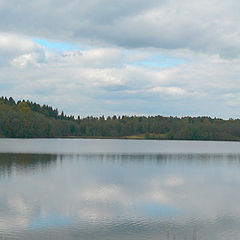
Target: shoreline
(124, 138)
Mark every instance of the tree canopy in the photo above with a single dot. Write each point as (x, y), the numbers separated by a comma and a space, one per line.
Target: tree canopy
(25, 119)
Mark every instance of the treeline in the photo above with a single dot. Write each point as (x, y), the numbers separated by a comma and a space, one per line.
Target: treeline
(25, 119)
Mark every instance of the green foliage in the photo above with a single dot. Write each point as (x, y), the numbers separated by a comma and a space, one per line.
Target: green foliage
(26, 119)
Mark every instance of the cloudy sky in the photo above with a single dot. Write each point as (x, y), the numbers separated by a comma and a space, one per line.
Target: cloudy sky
(166, 57)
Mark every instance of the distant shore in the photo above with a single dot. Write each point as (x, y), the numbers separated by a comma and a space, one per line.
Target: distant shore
(25, 119)
(122, 138)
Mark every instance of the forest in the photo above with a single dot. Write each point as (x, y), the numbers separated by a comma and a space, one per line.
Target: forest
(26, 119)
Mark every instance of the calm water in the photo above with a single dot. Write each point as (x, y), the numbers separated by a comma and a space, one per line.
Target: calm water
(119, 189)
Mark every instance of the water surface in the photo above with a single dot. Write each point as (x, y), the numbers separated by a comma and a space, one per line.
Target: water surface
(119, 189)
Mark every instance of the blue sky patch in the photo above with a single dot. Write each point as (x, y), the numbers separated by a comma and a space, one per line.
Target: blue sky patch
(159, 61)
(59, 46)
(155, 210)
(50, 220)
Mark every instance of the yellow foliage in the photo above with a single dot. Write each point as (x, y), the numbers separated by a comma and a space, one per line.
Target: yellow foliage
(24, 108)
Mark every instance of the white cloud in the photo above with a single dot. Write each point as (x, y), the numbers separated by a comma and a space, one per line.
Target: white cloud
(78, 84)
(19, 50)
(174, 181)
(24, 60)
(104, 78)
(209, 26)
(111, 193)
(169, 90)
(14, 42)
(17, 204)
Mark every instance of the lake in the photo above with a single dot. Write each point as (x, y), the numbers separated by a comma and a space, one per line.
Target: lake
(93, 189)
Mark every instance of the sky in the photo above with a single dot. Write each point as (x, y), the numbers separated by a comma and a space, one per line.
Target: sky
(135, 57)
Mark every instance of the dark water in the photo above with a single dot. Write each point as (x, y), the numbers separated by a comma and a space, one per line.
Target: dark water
(119, 189)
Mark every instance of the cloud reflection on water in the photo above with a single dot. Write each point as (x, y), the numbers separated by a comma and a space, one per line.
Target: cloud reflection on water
(123, 193)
